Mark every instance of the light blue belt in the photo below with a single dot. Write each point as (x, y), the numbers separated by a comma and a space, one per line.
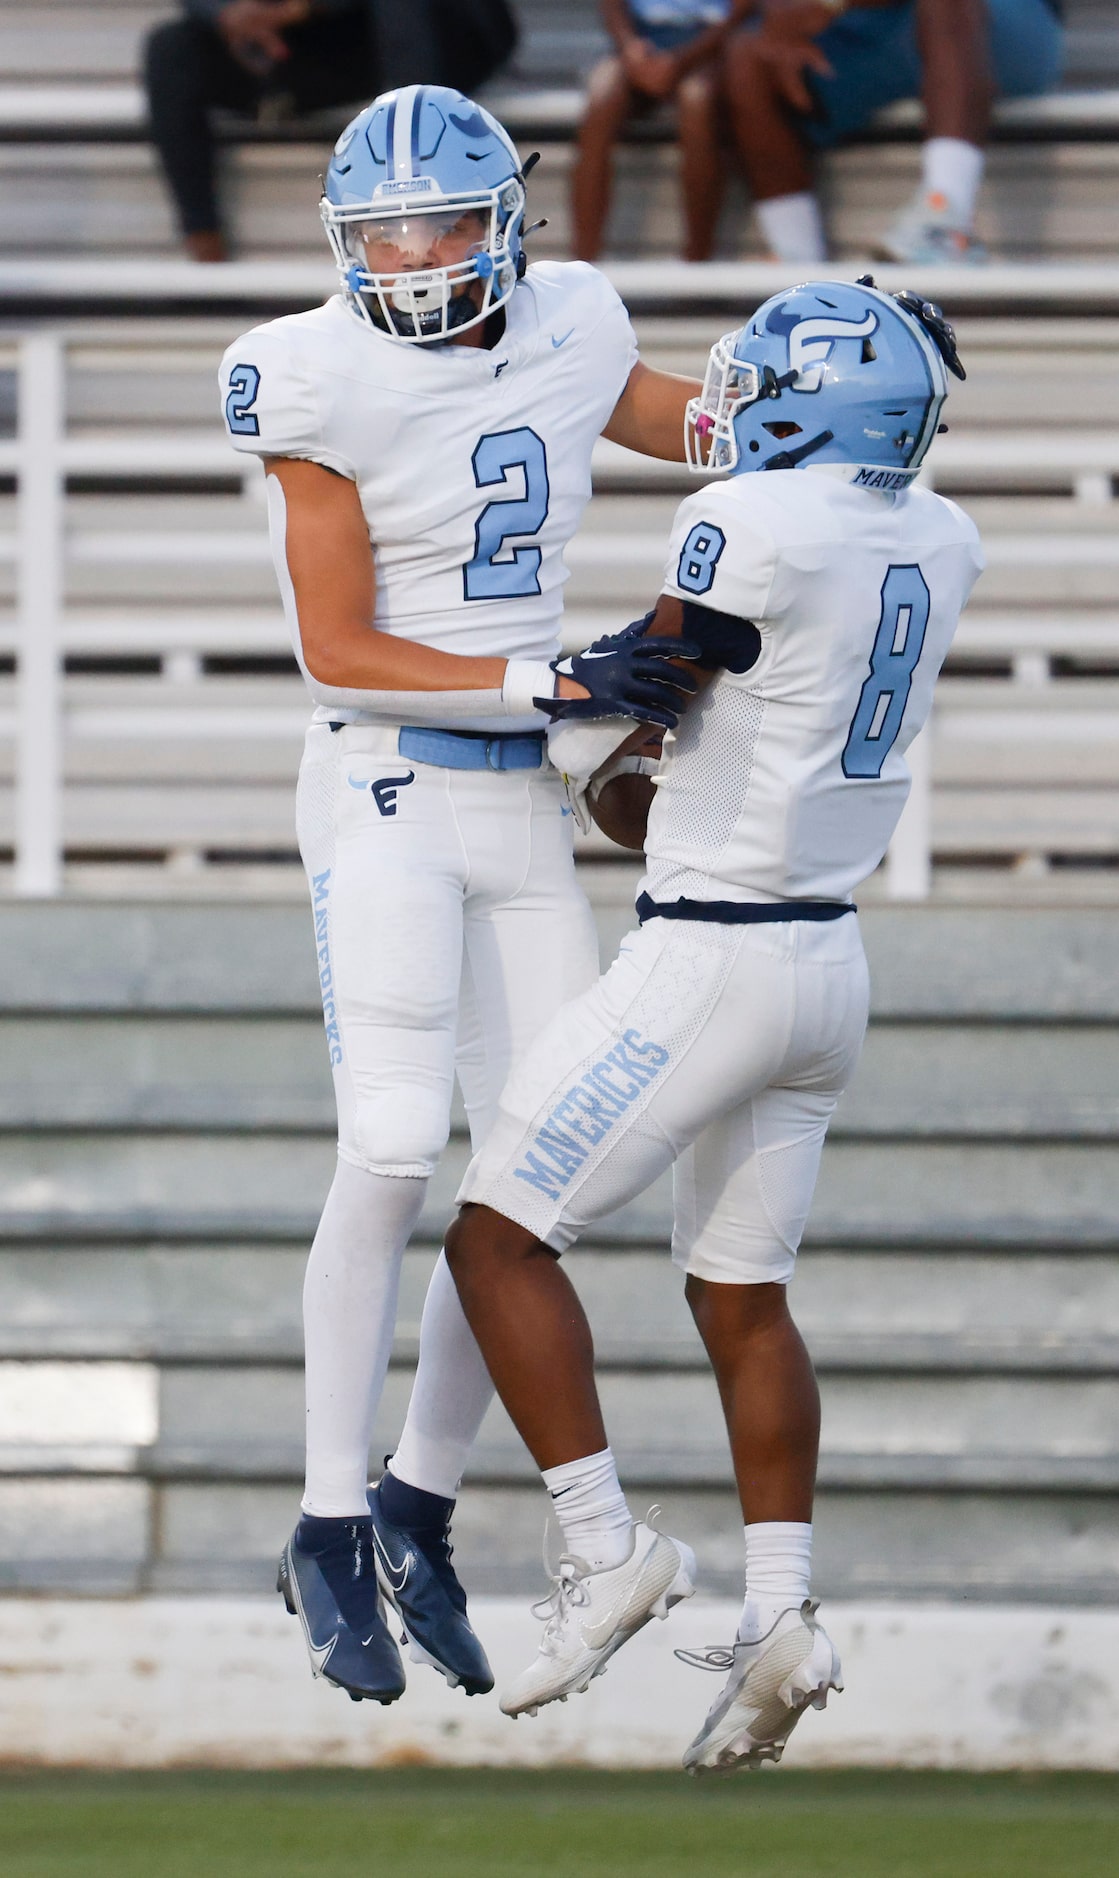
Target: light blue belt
(471, 749)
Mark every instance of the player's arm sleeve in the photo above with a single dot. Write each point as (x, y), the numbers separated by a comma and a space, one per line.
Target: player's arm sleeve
(611, 341)
(721, 555)
(270, 404)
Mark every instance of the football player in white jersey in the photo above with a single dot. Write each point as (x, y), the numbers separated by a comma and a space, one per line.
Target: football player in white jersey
(823, 595)
(428, 437)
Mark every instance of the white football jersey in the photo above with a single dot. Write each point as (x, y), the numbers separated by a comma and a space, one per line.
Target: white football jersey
(787, 781)
(473, 465)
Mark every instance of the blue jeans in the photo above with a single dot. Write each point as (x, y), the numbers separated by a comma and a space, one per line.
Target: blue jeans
(874, 54)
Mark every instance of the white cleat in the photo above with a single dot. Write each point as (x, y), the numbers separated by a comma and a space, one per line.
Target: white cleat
(770, 1685)
(591, 1614)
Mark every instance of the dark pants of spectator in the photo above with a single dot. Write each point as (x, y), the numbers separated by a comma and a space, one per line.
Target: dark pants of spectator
(336, 59)
(189, 70)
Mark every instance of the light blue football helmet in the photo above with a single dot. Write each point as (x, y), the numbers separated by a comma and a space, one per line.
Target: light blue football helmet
(826, 373)
(416, 161)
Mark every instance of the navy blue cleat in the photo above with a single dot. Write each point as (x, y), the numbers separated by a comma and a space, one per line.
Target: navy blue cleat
(328, 1579)
(411, 1537)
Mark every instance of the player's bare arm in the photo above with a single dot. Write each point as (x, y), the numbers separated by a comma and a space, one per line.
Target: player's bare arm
(649, 415)
(330, 561)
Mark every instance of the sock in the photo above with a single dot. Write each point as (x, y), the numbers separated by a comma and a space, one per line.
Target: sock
(349, 1314)
(954, 169)
(450, 1395)
(792, 227)
(591, 1508)
(778, 1562)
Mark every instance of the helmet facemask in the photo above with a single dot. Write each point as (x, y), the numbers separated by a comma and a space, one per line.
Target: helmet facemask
(409, 260)
(729, 385)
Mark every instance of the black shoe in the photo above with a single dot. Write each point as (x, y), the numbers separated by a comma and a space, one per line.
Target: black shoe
(328, 1578)
(411, 1537)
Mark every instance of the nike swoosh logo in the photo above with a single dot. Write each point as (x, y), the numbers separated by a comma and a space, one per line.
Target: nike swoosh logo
(321, 1654)
(358, 782)
(598, 655)
(397, 1580)
(557, 343)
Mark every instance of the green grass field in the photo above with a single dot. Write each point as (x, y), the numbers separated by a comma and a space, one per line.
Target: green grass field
(465, 1824)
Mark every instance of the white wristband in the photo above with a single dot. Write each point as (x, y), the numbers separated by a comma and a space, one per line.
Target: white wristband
(525, 679)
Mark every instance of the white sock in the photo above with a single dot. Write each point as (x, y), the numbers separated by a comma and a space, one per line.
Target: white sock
(450, 1395)
(591, 1509)
(954, 169)
(778, 1563)
(349, 1314)
(792, 227)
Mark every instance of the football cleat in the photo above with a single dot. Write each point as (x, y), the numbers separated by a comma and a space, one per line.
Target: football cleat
(929, 232)
(328, 1579)
(418, 1580)
(589, 1616)
(771, 1683)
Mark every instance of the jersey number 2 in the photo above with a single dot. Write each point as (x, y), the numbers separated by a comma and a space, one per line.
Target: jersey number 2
(516, 573)
(893, 660)
(244, 385)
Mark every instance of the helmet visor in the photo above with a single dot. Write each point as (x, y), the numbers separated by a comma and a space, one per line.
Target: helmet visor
(418, 238)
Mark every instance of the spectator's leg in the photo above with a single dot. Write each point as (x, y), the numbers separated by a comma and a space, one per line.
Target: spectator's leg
(956, 89)
(187, 70)
(609, 101)
(775, 156)
(702, 173)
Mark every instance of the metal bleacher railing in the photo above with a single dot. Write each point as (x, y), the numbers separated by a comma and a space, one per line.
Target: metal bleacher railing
(154, 714)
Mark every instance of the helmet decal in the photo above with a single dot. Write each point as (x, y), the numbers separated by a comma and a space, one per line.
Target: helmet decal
(812, 342)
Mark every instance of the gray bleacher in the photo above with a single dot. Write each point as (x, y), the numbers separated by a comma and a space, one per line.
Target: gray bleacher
(165, 1127)
(167, 1143)
(77, 177)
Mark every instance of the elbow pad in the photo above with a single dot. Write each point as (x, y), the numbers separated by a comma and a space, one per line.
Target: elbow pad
(726, 643)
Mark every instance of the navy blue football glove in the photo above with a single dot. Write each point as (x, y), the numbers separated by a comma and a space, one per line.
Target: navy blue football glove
(627, 675)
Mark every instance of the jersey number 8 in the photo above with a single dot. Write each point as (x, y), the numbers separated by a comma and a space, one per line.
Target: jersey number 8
(897, 647)
(516, 573)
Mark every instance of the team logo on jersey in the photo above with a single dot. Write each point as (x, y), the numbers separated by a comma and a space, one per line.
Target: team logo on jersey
(812, 342)
(384, 789)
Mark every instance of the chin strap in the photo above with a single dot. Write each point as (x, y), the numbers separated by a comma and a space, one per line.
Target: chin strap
(788, 459)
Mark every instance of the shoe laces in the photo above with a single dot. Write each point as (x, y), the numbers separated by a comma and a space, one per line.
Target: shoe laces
(713, 1656)
(569, 1592)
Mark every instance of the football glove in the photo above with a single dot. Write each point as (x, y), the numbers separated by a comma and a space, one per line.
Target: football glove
(626, 675)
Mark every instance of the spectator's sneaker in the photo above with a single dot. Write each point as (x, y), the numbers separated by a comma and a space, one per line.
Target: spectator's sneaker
(591, 1614)
(770, 1685)
(328, 1579)
(417, 1577)
(929, 232)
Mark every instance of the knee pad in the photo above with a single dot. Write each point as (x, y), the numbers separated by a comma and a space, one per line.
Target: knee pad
(401, 1131)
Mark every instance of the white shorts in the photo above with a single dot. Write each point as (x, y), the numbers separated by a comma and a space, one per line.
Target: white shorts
(723, 1049)
(449, 928)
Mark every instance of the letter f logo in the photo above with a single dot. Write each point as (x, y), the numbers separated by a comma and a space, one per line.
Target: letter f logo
(384, 789)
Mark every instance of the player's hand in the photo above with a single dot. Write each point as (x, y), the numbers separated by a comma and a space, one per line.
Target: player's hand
(648, 69)
(626, 675)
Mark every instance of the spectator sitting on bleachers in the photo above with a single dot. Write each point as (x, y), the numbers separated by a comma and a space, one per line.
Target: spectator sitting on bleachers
(283, 57)
(813, 71)
(665, 49)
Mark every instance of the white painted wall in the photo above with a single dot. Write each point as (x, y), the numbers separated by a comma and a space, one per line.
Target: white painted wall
(224, 1682)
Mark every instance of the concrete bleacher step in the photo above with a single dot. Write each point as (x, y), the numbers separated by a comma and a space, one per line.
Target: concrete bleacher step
(985, 1310)
(248, 1074)
(959, 1284)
